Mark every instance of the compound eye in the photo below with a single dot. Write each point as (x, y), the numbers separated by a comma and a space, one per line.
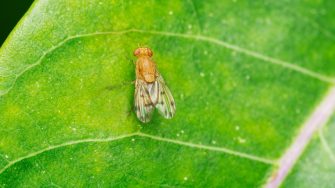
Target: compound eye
(137, 52)
(150, 53)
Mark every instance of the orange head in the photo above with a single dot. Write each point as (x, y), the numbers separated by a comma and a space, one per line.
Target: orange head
(142, 52)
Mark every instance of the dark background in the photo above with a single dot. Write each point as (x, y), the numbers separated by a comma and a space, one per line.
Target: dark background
(11, 12)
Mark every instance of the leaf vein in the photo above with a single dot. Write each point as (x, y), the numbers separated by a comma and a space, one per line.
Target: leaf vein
(153, 137)
(212, 40)
(210, 148)
(326, 146)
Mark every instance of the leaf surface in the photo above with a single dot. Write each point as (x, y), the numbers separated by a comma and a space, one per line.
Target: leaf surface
(245, 76)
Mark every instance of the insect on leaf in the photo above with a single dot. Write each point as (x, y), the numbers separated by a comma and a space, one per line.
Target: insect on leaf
(245, 75)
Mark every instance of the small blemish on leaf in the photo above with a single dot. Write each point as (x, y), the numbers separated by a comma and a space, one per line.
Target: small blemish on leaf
(182, 96)
(205, 52)
(297, 111)
(241, 140)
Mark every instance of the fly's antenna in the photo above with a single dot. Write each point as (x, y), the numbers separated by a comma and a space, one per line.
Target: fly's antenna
(139, 45)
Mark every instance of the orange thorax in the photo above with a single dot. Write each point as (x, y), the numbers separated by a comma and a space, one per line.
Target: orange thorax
(145, 69)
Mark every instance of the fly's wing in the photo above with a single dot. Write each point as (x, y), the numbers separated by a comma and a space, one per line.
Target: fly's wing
(153, 89)
(143, 104)
(165, 104)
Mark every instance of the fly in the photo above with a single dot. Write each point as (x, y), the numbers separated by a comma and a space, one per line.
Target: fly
(150, 89)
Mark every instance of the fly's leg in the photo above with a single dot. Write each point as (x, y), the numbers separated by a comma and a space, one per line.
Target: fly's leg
(129, 59)
(119, 86)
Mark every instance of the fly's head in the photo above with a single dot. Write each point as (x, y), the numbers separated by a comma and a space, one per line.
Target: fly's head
(143, 52)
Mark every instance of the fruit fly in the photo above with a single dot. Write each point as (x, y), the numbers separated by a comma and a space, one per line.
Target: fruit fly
(150, 89)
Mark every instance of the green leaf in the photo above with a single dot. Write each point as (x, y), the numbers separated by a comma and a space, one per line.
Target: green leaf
(245, 77)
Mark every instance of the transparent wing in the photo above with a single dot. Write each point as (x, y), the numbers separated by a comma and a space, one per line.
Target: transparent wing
(165, 104)
(153, 89)
(143, 104)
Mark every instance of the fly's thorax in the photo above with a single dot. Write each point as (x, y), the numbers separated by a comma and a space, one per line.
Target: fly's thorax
(146, 69)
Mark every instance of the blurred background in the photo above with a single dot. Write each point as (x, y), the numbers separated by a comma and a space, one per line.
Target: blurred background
(11, 12)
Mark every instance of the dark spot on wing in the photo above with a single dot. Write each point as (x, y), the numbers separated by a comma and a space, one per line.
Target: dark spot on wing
(147, 104)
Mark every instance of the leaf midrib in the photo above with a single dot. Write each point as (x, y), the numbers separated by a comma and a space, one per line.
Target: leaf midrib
(316, 121)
